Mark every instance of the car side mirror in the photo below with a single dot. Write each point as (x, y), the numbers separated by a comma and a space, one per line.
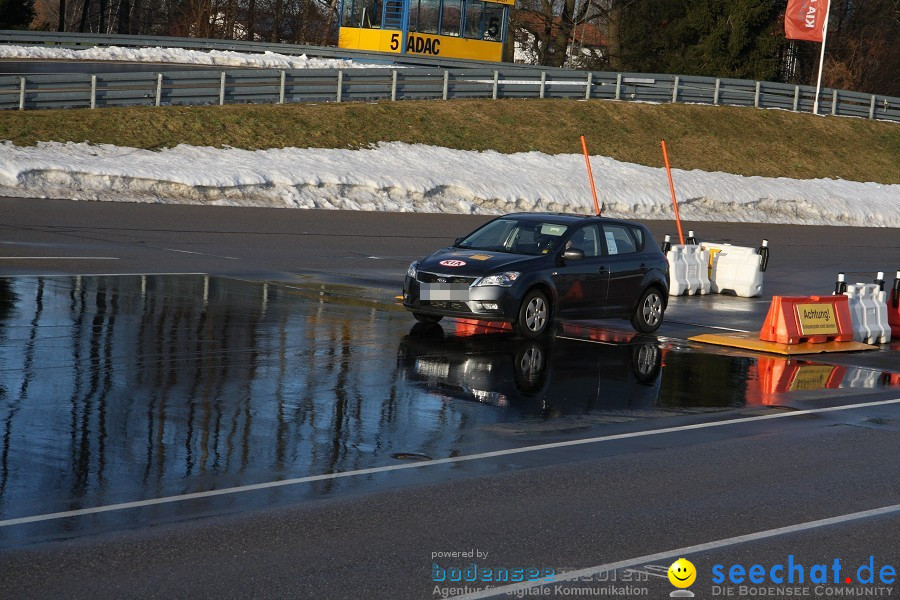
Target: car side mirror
(573, 254)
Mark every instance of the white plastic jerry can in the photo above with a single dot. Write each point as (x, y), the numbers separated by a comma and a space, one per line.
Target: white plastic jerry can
(737, 269)
(868, 313)
(688, 270)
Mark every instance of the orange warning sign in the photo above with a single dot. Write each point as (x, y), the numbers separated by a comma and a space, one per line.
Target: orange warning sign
(813, 319)
(816, 319)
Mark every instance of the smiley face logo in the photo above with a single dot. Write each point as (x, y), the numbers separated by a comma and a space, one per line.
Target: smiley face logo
(682, 573)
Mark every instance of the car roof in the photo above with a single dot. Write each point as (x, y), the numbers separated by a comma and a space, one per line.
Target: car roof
(563, 218)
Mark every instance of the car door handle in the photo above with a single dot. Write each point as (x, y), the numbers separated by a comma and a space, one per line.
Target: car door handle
(643, 268)
(603, 270)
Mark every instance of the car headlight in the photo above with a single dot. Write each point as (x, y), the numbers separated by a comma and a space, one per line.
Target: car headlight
(411, 270)
(501, 279)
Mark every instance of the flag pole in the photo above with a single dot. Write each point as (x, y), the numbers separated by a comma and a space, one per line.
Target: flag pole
(822, 58)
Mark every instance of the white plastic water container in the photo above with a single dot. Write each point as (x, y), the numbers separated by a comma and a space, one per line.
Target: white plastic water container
(868, 313)
(735, 269)
(678, 283)
(688, 270)
(699, 256)
(861, 379)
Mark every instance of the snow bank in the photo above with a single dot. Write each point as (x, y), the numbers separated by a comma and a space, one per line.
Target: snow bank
(223, 58)
(417, 178)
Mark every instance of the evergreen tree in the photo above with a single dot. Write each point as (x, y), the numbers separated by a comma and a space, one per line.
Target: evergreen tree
(16, 14)
(642, 34)
(722, 38)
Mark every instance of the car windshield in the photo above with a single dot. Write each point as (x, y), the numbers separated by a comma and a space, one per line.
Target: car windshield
(515, 236)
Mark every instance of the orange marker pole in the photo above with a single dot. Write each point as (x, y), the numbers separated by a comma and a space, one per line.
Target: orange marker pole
(587, 161)
(672, 188)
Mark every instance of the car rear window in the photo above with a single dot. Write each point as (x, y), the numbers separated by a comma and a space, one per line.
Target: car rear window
(638, 234)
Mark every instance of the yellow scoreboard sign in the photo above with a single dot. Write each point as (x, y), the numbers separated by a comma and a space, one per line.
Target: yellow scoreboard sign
(816, 319)
(386, 40)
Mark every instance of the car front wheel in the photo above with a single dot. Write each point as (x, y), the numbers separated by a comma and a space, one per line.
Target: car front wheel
(649, 314)
(534, 315)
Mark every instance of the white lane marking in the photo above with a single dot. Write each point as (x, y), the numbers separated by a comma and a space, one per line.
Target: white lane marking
(58, 258)
(200, 253)
(588, 340)
(439, 461)
(687, 550)
(708, 326)
(648, 573)
(182, 251)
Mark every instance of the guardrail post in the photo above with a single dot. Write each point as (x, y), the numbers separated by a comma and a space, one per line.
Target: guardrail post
(446, 83)
(22, 94)
(93, 91)
(796, 98)
(496, 79)
(716, 92)
(756, 96)
(222, 89)
(281, 88)
(543, 83)
(675, 88)
(618, 86)
(834, 101)
(590, 83)
(158, 88)
(393, 85)
(340, 85)
(871, 105)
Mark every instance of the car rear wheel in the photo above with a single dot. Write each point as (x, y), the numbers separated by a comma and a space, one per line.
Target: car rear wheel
(534, 315)
(649, 313)
(423, 318)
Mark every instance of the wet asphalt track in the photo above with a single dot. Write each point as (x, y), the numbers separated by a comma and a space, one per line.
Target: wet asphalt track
(277, 354)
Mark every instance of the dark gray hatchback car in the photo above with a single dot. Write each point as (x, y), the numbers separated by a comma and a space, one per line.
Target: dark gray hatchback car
(529, 268)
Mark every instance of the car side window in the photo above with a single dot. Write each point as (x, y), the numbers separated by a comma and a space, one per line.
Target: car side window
(618, 239)
(586, 239)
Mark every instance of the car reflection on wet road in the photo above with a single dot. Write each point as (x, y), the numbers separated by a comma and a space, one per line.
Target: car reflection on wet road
(115, 389)
(535, 378)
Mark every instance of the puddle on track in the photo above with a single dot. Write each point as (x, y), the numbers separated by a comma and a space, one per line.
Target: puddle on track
(115, 389)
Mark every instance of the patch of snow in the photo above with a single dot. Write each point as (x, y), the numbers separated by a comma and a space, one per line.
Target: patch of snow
(224, 58)
(394, 176)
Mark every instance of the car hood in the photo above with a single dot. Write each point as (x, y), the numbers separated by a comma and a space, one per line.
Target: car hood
(474, 262)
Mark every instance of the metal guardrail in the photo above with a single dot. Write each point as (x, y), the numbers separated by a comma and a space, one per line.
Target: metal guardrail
(258, 86)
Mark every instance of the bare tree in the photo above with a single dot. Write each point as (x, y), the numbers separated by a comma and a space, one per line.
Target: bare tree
(277, 21)
(84, 16)
(547, 28)
(124, 25)
(251, 18)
